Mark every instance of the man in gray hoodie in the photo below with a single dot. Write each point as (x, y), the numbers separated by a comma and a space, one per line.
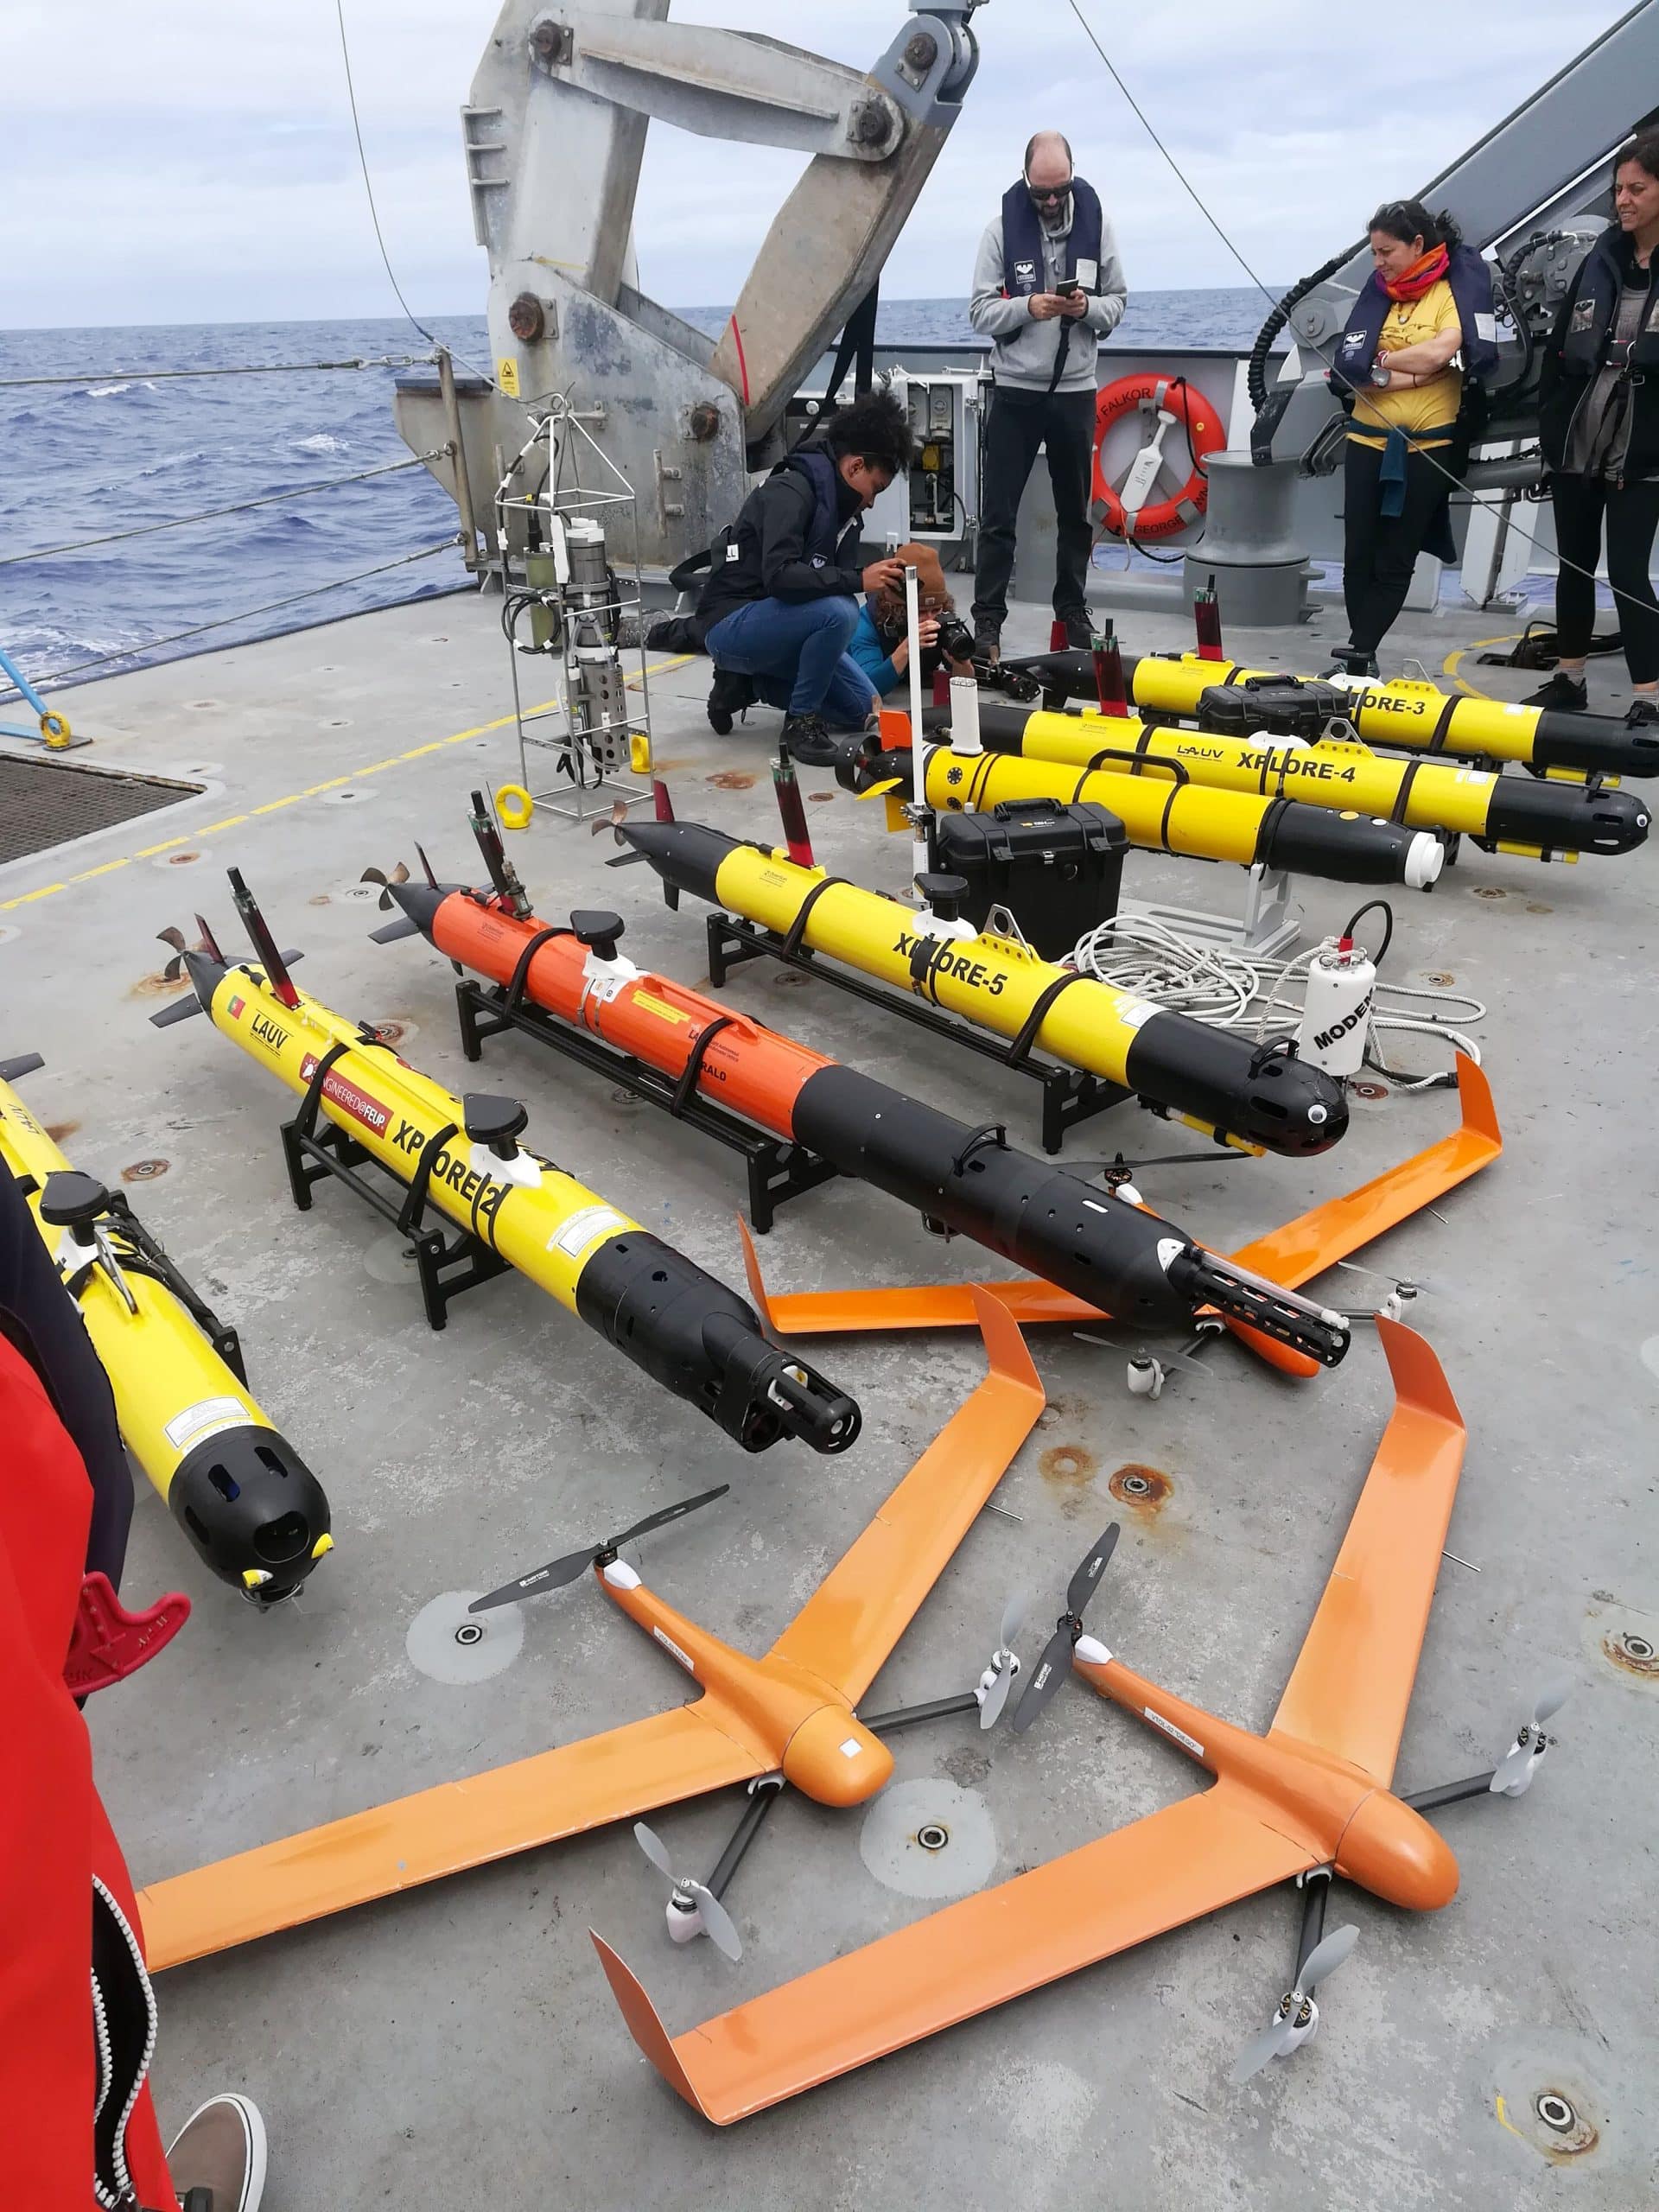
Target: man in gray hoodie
(1048, 286)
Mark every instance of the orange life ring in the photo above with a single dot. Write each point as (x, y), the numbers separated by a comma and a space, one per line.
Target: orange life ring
(1176, 396)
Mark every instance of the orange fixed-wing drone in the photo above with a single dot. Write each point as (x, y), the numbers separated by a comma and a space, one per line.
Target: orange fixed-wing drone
(789, 1717)
(1311, 1798)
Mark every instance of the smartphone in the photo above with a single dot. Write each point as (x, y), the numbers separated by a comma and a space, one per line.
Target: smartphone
(1067, 286)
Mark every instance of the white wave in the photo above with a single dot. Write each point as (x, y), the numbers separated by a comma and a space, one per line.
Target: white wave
(110, 391)
(321, 442)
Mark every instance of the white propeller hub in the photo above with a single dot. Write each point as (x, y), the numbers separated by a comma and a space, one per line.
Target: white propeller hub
(620, 1575)
(1091, 1651)
(684, 1921)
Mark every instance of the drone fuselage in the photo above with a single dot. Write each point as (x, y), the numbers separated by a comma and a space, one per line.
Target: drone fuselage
(1344, 1816)
(786, 1714)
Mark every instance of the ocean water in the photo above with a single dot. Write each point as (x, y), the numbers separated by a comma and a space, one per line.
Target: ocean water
(124, 448)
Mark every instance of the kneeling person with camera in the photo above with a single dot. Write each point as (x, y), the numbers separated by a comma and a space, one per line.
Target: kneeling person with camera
(781, 603)
(880, 644)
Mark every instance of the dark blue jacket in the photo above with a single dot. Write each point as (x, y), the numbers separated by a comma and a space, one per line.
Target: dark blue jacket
(1472, 288)
(795, 538)
(1576, 351)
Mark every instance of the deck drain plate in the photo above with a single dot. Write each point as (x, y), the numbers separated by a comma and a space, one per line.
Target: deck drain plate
(452, 1645)
(44, 804)
(929, 1840)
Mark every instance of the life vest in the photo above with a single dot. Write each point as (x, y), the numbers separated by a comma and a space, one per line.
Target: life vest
(824, 533)
(1472, 288)
(1022, 240)
(1595, 302)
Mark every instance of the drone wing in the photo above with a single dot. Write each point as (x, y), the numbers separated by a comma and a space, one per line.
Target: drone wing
(846, 1628)
(1352, 1681)
(439, 1831)
(1136, 1882)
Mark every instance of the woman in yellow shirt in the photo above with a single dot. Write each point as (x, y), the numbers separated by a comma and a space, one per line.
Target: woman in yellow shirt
(1397, 365)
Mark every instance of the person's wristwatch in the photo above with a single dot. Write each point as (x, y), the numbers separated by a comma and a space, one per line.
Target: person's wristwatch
(1380, 375)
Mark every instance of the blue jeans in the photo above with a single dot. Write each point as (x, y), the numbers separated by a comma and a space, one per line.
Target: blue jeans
(796, 651)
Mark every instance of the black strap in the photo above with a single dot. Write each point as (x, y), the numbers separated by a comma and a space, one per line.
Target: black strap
(1060, 352)
(1402, 797)
(1437, 742)
(1268, 823)
(993, 1133)
(797, 929)
(409, 1219)
(521, 974)
(693, 1068)
(305, 1119)
(857, 346)
(1020, 1048)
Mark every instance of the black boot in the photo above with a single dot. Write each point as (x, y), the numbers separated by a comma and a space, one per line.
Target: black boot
(1079, 631)
(988, 641)
(729, 695)
(808, 741)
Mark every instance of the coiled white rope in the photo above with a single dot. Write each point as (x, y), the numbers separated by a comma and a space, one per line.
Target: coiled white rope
(1231, 989)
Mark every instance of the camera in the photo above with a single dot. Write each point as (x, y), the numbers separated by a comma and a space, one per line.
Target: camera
(956, 638)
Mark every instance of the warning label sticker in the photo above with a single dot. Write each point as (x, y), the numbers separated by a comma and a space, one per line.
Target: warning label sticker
(585, 1229)
(206, 1419)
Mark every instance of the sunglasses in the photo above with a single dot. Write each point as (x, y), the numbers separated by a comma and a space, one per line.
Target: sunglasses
(1047, 195)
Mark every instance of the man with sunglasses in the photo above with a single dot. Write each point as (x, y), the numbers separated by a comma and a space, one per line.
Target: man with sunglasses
(1048, 286)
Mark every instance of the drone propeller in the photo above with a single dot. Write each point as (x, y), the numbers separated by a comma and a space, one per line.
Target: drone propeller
(174, 968)
(1120, 1172)
(717, 1923)
(1067, 1629)
(1512, 1777)
(998, 1678)
(559, 1571)
(663, 808)
(1298, 2015)
(400, 874)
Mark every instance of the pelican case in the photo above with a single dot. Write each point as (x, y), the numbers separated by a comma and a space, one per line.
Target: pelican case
(1272, 706)
(1056, 869)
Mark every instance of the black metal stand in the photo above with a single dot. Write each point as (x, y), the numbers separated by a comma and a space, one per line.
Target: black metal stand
(448, 1264)
(778, 1169)
(1069, 1095)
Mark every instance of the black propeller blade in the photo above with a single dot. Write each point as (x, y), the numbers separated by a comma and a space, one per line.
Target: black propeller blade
(559, 1571)
(400, 874)
(1057, 1654)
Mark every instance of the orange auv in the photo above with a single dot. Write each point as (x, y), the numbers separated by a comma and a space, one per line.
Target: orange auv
(1312, 1792)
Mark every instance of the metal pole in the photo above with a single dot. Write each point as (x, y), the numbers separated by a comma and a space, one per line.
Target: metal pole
(463, 483)
(767, 1794)
(1316, 1891)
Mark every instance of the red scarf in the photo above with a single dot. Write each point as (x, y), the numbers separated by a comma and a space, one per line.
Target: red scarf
(1426, 269)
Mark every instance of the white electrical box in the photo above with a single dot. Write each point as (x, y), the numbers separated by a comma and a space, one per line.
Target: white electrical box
(939, 498)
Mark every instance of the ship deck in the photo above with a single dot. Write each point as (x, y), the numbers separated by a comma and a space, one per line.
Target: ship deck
(458, 2044)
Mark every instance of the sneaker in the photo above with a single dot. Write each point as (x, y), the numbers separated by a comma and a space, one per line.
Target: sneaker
(808, 741)
(1080, 632)
(988, 641)
(1642, 714)
(1565, 694)
(221, 2150)
(729, 695)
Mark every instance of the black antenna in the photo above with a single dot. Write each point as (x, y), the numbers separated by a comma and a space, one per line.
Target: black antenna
(263, 944)
(502, 873)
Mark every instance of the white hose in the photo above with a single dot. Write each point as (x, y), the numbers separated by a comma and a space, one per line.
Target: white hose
(1236, 990)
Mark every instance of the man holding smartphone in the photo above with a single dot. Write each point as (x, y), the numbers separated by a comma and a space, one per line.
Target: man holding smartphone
(1048, 286)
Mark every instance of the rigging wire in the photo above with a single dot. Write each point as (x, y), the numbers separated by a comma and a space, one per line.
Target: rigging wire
(374, 213)
(223, 621)
(1310, 345)
(250, 369)
(213, 514)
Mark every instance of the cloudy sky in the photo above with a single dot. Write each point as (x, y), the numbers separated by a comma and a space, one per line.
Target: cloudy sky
(191, 161)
